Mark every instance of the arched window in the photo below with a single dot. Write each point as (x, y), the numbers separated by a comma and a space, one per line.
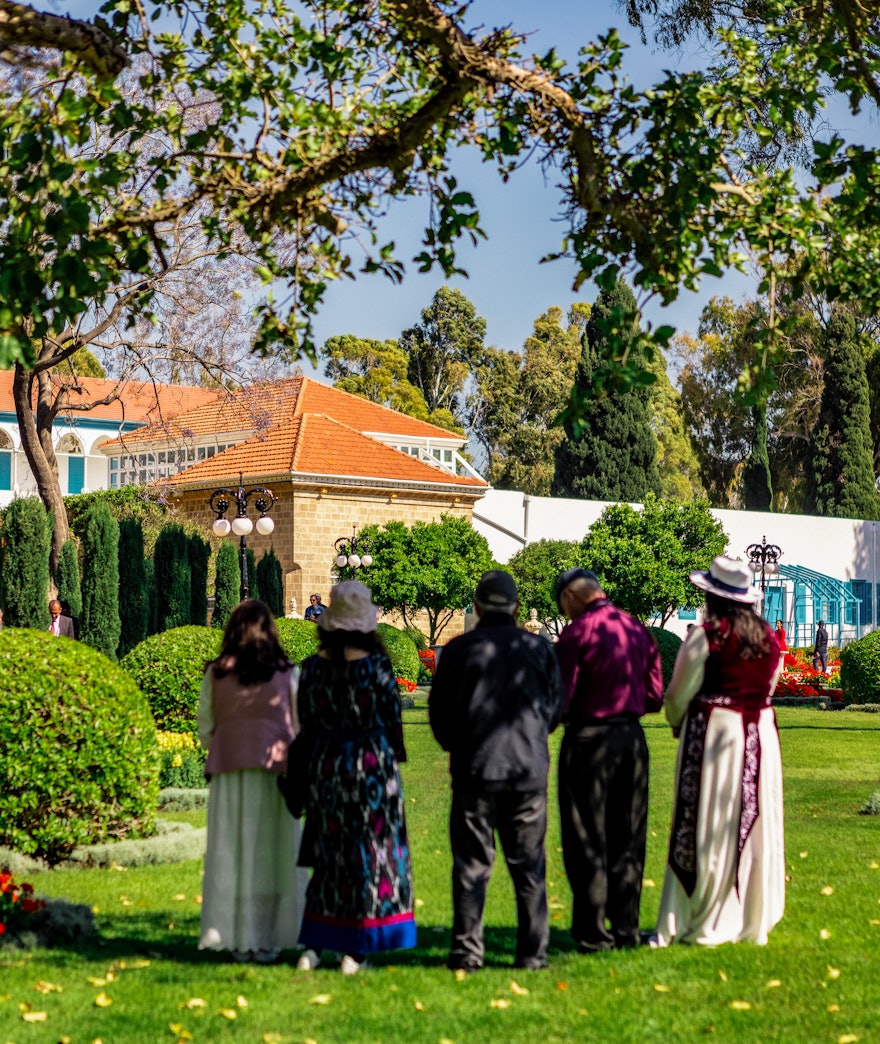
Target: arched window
(5, 461)
(76, 462)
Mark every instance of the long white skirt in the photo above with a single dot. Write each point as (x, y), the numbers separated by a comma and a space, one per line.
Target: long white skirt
(253, 893)
(716, 912)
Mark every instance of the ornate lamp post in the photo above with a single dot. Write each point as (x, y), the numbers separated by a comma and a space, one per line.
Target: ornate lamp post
(764, 559)
(241, 525)
(354, 552)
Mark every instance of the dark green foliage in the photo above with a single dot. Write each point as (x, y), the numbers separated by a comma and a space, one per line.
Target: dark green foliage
(269, 581)
(168, 667)
(152, 597)
(183, 768)
(757, 490)
(100, 626)
(173, 579)
(199, 556)
(227, 584)
(67, 579)
(839, 480)
(419, 638)
(134, 601)
(78, 755)
(612, 455)
(401, 651)
(668, 644)
(26, 538)
(536, 568)
(860, 670)
(299, 638)
(126, 502)
(253, 579)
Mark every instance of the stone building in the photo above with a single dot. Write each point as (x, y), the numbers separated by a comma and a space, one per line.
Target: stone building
(334, 462)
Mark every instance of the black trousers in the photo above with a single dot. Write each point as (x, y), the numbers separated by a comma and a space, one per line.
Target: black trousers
(603, 809)
(520, 818)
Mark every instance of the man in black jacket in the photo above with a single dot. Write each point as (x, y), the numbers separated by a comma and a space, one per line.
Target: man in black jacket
(495, 698)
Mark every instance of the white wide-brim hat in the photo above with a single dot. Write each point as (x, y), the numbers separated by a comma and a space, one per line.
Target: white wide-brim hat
(351, 609)
(728, 579)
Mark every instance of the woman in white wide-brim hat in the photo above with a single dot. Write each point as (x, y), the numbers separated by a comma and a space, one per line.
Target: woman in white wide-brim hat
(725, 877)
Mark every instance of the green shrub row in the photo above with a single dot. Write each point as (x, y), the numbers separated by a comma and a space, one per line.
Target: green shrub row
(860, 670)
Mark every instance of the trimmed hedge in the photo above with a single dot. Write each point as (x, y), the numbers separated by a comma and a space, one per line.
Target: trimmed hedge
(78, 756)
(669, 644)
(401, 651)
(169, 667)
(299, 638)
(860, 670)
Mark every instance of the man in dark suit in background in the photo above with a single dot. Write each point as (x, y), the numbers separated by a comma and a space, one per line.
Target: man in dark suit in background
(60, 625)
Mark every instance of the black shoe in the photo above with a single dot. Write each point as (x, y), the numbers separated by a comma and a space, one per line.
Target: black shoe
(465, 964)
(531, 964)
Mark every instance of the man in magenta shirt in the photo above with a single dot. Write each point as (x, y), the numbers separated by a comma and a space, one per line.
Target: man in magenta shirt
(611, 676)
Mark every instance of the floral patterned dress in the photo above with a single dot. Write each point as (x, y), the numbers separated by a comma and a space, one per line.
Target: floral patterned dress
(360, 897)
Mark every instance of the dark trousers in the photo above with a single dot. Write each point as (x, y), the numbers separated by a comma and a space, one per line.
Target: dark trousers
(520, 819)
(603, 809)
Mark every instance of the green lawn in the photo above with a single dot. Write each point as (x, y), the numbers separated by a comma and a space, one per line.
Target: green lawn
(815, 981)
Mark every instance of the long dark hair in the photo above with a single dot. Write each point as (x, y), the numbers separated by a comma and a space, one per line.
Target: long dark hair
(336, 642)
(250, 649)
(749, 628)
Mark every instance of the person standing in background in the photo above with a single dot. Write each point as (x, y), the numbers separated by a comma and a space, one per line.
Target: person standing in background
(820, 653)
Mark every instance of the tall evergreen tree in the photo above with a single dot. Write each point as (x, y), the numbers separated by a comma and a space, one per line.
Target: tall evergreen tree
(134, 601)
(199, 556)
(227, 584)
(26, 540)
(100, 625)
(152, 597)
(253, 579)
(840, 472)
(172, 577)
(67, 580)
(270, 582)
(615, 456)
(757, 488)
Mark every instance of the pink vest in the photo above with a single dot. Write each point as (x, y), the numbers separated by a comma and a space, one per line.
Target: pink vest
(253, 726)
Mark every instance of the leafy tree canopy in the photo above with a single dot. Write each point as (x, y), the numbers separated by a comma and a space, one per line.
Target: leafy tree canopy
(536, 567)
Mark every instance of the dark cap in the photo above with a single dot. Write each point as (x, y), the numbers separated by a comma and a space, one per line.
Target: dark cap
(496, 590)
(569, 577)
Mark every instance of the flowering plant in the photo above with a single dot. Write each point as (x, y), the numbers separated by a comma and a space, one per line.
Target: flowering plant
(183, 760)
(429, 659)
(17, 903)
(405, 685)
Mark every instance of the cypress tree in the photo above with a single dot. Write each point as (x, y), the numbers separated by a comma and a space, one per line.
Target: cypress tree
(67, 581)
(134, 602)
(199, 556)
(27, 541)
(227, 584)
(839, 479)
(270, 582)
(757, 488)
(172, 577)
(152, 597)
(615, 457)
(253, 579)
(100, 625)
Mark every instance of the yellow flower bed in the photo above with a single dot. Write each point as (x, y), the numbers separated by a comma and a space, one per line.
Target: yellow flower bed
(170, 741)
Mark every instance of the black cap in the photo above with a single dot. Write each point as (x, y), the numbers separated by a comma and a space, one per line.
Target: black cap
(570, 575)
(496, 590)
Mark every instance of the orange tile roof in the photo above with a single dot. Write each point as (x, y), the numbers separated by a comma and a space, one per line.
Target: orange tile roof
(140, 401)
(317, 445)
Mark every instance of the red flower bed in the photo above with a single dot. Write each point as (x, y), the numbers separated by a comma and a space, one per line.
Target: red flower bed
(429, 659)
(405, 685)
(17, 903)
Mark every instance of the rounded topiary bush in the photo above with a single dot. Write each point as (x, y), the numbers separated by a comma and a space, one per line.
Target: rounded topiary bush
(168, 668)
(79, 762)
(860, 669)
(401, 651)
(669, 644)
(299, 638)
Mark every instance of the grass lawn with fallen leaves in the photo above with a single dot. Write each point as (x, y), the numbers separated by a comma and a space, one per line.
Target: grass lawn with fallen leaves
(145, 982)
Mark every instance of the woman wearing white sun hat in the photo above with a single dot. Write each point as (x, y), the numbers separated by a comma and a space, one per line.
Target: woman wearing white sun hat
(725, 878)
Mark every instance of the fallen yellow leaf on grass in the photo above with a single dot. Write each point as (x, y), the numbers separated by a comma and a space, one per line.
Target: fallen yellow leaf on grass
(774, 984)
(194, 1002)
(180, 897)
(179, 1031)
(722, 975)
(520, 991)
(95, 981)
(847, 1038)
(321, 998)
(874, 921)
(460, 974)
(47, 987)
(740, 1006)
(420, 902)
(875, 865)
(274, 1038)
(660, 988)
(419, 1006)
(227, 1013)
(499, 1002)
(124, 901)
(833, 973)
(804, 855)
(34, 1016)
(833, 1007)
(827, 890)
(648, 883)
(824, 933)
(241, 1001)
(103, 1001)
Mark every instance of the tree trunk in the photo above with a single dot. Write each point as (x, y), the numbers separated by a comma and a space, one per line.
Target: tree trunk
(36, 439)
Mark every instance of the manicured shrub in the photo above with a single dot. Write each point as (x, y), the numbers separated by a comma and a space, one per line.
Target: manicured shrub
(270, 582)
(420, 639)
(402, 652)
(78, 757)
(134, 601)
(26, 539)
(67, 580)
(173, 578)
(669, 644)
(227, 585)
(860, 670)
(199, 556)
(100, 626)
(299, 638)
(168, 668)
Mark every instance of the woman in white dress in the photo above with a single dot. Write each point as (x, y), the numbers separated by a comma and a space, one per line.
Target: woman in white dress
(253, 892)
(725, 878)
